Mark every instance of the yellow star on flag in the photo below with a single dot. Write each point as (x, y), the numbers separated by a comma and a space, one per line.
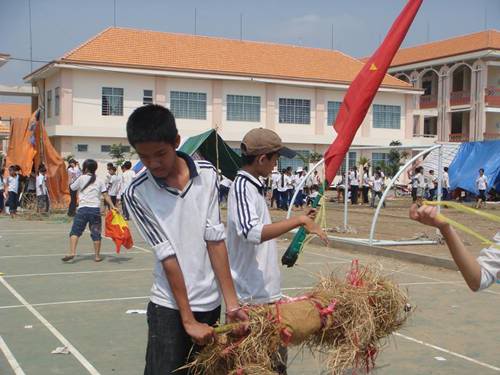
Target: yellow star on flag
(373, 67)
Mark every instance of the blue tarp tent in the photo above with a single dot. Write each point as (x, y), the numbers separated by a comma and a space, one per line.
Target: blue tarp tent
(471, 156)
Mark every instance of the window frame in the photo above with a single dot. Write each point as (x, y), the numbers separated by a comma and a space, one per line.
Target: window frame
(109, 107)
(294, 111)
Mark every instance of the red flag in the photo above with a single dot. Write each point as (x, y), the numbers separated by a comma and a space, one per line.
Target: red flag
(117, 229)
(362, 90)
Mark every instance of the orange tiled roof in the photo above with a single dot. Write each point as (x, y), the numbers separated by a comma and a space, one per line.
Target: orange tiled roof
(14, 110)
(484, 40)
(189, 53)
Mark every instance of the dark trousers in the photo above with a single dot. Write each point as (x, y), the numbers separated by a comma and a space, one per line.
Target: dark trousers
(444, 193)
(275, 198)
(125, 210)
(169, 345)
(73, 194)
(432, 194)
(43, 203)
(223, 193)
(365, 190)
(283, 200)
(354, 194)
(13, 202)
(1, 199)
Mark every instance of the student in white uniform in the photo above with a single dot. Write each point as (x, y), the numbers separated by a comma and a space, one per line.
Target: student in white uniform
(482, 187)
(42, 193)
(175, 206)
(128, 176)
(251, 235)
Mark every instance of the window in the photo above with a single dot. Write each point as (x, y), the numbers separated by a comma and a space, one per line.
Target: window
(379, 158)
(125, 148)
(297, 161)
(191, 105)
(147, 97)
(105, 148)
(386, 116)
(57, 99)
(333, 111)
(82, 148)
(243, 108)
(352, 162)
(112, 101)
(49, 104)
(295, 111)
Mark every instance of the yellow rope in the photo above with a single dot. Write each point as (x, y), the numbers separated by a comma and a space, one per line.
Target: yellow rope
(463, 228)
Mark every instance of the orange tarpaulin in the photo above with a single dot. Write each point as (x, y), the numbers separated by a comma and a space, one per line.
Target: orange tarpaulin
(29, 146)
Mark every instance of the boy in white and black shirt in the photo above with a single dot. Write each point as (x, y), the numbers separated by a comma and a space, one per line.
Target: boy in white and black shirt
(251, 235)
(175, 206)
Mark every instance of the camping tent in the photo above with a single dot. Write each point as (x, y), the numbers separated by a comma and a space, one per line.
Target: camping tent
(29, 146)
(210, 146)
(470, 158)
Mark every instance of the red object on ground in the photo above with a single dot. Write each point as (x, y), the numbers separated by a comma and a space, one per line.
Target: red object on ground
(117, 229)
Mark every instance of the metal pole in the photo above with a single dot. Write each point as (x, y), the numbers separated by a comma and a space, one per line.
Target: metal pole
(114, 13)
(346, 189)
(241, 26)
(389, 186)
(440, 179)
(195, 22)
(31, 42)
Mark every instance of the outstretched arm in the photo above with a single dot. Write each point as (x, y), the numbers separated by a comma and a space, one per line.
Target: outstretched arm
(467, 264)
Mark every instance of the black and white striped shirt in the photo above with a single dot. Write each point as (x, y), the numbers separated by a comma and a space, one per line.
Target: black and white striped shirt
(178, 223)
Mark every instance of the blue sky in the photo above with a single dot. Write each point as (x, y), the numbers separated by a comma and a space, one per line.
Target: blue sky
(358, 25)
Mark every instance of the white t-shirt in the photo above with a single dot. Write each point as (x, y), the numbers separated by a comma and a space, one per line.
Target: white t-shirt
(446, 180)
(274, 180)
(41, 185)
(283, 182)
(73, 174)
(316, 179)
(13, 184)
(353, 178)
(481, 182)
(91, 196)
(297, 180)
(254, 264)
(365, 181)
(489, 260)
(2, 184)
(377, 184)
(180, 223)
(127, 178)
(226, 182)
(420, 180)
(114, 185)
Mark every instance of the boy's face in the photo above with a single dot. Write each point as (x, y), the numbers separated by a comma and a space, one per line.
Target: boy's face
(158, 157)
(265, 166)
(12, 172)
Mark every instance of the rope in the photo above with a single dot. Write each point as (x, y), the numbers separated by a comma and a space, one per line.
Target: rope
(463, 228)
(217, 151)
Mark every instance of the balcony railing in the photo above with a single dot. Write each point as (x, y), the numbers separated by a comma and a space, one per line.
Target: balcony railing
(428, 101)
(491, 136)
(492, 96)
(460, 98)
(459, 137)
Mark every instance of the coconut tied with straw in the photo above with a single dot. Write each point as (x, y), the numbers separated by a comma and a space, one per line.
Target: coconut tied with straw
(344, 319)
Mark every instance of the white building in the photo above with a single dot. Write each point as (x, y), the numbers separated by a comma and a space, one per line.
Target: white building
(461, 82)
(208, 82)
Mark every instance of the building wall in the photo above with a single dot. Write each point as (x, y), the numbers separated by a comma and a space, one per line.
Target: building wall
(81, 107)
(493, 76)
(492, 123)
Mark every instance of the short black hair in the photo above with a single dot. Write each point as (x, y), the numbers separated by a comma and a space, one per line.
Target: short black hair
(109, 165)
(249, 159)
(446, 169)
(151, 123)
(127, 165)
(481, 170)
(42, 168)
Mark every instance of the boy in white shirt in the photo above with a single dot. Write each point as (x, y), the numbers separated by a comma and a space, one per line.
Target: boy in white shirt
(73, 173)
(251, 235)
(481, 186)
(128, 176)
(377, 185)
(478, 273)
(175, 206)
(114, 185)
(13, 191)
(42, 193)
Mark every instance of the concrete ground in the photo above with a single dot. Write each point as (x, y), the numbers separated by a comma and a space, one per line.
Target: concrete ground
(45, 304)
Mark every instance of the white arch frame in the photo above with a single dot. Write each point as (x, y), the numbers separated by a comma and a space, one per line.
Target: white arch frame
(370, 240)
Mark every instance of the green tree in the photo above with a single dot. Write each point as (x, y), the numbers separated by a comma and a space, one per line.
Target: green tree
(395, 158)
(117, 153)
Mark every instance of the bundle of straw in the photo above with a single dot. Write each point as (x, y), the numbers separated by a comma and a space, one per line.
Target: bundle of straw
(345, 320)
